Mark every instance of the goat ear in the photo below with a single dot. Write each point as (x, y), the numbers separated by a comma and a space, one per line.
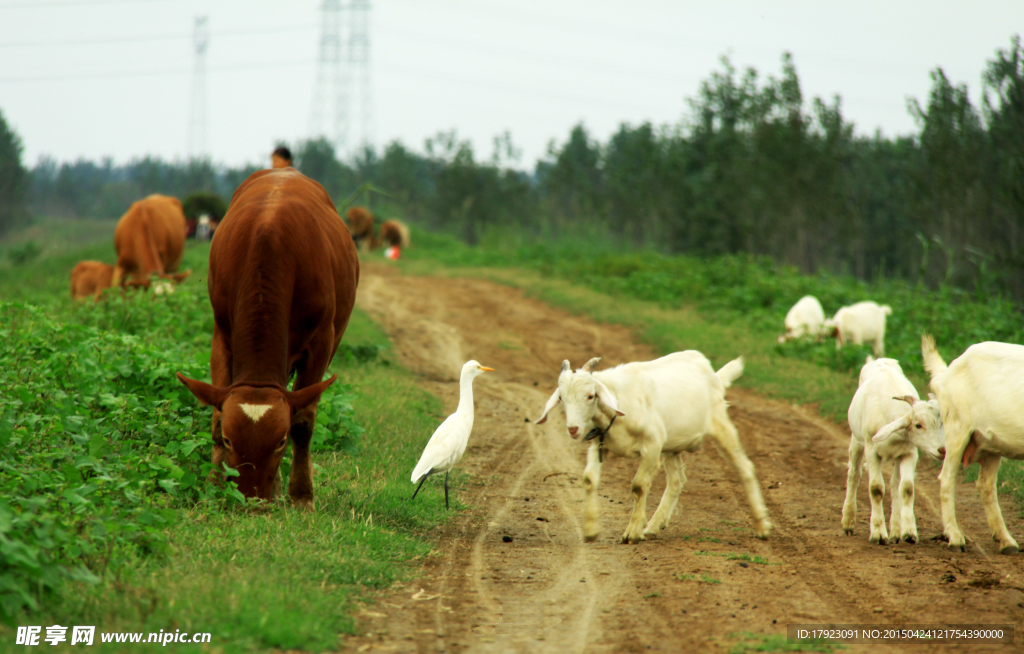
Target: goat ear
(207, 394)
(589, 365)
(300, 399)
(606, 398)
(868, 360)
(565, 366)
(909, 399)
(899, 424)
(552, 401)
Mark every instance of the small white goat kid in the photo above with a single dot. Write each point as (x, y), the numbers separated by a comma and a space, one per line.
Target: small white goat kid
(804, 319)
(885, 429)
(980, 394)
(654, 411)
(860, 323)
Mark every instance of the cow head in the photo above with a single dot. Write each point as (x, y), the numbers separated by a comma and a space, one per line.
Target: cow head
(583, 396)
(921, 425)
(255, 425)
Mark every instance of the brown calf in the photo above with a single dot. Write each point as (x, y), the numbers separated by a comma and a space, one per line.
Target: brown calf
(90, 278)
(394, 233)
(283, 276)
(360, 225)
(150, 239)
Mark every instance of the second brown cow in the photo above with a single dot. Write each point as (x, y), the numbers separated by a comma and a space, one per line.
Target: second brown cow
(150, 239)
(283, 276)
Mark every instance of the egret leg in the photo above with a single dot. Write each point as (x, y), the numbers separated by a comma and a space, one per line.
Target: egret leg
(446, 491)
(419, 487)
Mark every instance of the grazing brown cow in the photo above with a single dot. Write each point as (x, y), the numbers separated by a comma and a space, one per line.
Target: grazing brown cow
(150, 239)
(393, 233)
(360, 225)
(283, 276)
(90, 278)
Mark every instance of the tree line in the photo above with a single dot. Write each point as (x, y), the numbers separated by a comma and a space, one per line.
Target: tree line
(752, 167)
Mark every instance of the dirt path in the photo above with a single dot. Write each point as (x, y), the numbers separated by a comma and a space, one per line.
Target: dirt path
(548, 591)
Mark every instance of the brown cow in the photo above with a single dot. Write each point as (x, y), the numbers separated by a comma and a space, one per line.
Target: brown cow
(393, 233)
(90, 278)
(360, 225)
(150, 239)
(283, 276)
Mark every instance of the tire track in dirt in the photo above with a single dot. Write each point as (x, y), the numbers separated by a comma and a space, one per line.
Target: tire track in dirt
(547, 591)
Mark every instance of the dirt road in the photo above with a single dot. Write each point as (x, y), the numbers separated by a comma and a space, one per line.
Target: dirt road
(548, 591)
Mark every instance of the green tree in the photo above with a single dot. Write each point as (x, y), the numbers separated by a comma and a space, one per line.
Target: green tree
(14, 182)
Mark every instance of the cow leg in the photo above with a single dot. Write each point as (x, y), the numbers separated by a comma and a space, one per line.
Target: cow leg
(876, 490)
(220, 375)
(853, 474)
(591, 479)
(957, 438)
(675, 479)
(990, 497)
(300, 484)
(650, 457)
(908, 522)
(728, 440)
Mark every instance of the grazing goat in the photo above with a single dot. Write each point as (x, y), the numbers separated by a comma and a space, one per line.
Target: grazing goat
(979, 394)
(654, 410)
(863, 322)
(884, 429)
(804, 319)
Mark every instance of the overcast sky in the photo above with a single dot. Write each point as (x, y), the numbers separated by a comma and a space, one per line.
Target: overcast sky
(95, 78)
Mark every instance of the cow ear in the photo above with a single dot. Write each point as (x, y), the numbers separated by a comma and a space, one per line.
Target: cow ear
(208, 394)
(180, 277)
(552, 401)
(300, 399)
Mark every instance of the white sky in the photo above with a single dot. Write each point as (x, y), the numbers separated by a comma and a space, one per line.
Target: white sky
(532, 67)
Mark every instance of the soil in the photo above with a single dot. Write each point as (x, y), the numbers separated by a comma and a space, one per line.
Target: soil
(513, 574)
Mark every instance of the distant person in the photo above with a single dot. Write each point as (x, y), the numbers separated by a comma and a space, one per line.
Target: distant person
(281, 157)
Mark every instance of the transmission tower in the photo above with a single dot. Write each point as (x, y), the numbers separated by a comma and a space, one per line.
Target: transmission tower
(197, 122)
(359, 61)
(343, 73)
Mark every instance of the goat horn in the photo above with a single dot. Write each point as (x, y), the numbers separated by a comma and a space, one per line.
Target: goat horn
(589, 365)
(565, 366)
(909, 399)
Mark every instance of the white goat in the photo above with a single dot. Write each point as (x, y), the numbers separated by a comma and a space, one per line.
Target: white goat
(980, 394)
(860, 323)
(884, 429)
(654, 410)
(804, 319)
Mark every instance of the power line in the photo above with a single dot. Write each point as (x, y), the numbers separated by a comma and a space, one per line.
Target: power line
(153, 72)
(154, 37)
(74, 3)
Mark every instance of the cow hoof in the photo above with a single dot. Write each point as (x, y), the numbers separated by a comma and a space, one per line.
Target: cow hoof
(304, 503)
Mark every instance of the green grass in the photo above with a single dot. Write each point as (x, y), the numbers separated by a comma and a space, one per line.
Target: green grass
(733, 556)
(751, 642)
(106, 514)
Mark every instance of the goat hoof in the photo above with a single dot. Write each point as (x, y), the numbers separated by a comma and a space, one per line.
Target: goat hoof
(910, 539)
(1010, 548)
(848, 531)
(590, 538)
(942, 537)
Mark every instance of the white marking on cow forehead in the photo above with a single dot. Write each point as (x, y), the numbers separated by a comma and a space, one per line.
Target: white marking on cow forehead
(255, 411)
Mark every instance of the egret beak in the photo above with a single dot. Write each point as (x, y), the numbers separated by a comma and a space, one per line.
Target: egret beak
(485, 368)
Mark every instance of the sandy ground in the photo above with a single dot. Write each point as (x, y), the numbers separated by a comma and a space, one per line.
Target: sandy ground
(548, 591)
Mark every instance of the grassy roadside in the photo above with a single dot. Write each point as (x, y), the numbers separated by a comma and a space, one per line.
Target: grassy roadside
(813, 375)
(115, 454)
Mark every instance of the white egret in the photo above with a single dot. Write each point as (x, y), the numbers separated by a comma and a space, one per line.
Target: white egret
(448, 443)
